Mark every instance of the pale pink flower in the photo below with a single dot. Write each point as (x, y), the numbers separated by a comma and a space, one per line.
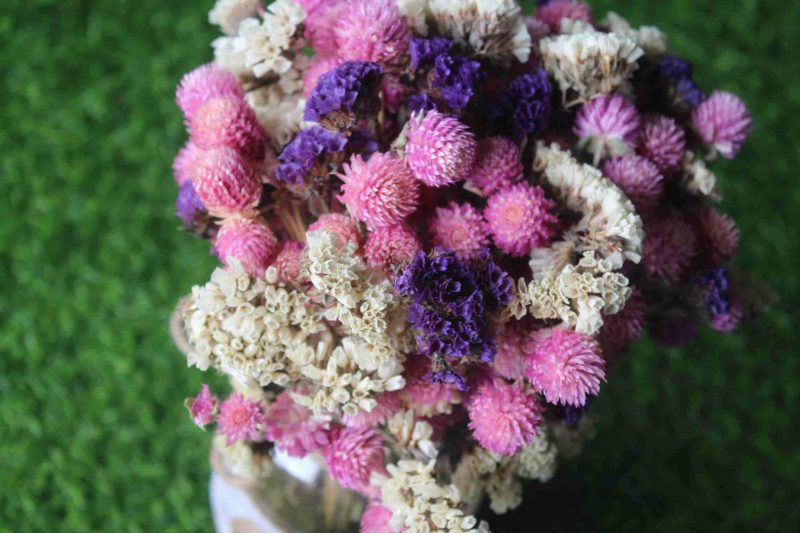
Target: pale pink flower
(340, 224)
(621, 329)
(372, 30)
(520, 219)
(497, 165)
(723, 122)
(319, 66)
(718, 234)
(460, 229)
(390, 246)
(670, 246)
(510, 352)
(320, 26)
(502, 417)
(248, 240)
(225, 182)
(184, 163)
(240, 419)
(202, 84)
(639, 179)
(203, 407)
(353, 455)
(228, 121)
(555, 11)
(289, 259)
(419, 390)
(375, 519)
(727, 322)
(607, 126)
(662, 141)
(293, 428)
(440, 149)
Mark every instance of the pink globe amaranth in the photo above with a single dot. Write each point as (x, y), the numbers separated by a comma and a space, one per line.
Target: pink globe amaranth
(375, 519)
(722, 121)
(390, 246)
(203, 407)
(289, 260)
(420, 391)
(662, 141)
(727, 322)
(509, 358)
(503, 418)
(554, 12)
(460, 229)
(670, 247)
(621, 329)
(293, 428)
(566, 367)
(497, 165)
(440, 149)
(320, 26)
(718, 235)
(228, 121)
(225, 182)
(201, 85)
(372, 30)
(249, 241)
(520, 219)
(352, 456)
(184, 163)
(639, 179)
(318, 67)
(607, 126)
(380, 192)
(339, 224)
(240, 419)
(388, 404)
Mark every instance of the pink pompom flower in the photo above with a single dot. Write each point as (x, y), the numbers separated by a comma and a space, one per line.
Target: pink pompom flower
(502, 417)
(719, 237)
(460, 229)
(520, 219)
(249, 241)
(639, 179)
(566, 367)
(352, 455)
(380, 192)
(552, 13)
(289, 259)
(228, 121)
(670, 247)
(318, 67)
(497, 165)
(372, 30)
(607, 126)
(293, 428)
(727, 322)
(421, 393)
(509, 358)
(375, 519)
(240, 419)
(390, 246)
(184, 163)
(723, 122)
(339, 224)
(320, 26)
(225, 182)
(621, 329)
(440, 149)
(203, 408)
(202, 84)
(662, 141)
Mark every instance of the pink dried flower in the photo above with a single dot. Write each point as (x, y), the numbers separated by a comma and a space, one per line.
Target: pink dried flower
(289, 259)
(225, 182)
(723, 122)
(502, 417)
(460, 229)
(520, 219)
(621, 329)
(240, 419)
(497, 165)
(607, 126)
(670, 246)
(318, 67)
(320, 26)
(372, 30)
(388, 404)
(566, 367)
(727, 322)
(509, 358)
(555, 11)
(390, 246)
(662, 141)
(420, 391)
(352, 455)
(639, 179)
(380, 192)
(184, 163)
(228, 121)
(440, 150)
(718, 235)
(293, 428)
(203, 407)
(249, 241)
(375, 519)
(202, 84)
(340, 224)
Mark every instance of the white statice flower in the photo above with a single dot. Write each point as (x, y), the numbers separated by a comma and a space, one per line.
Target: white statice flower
(492, 28)
(649, 38)
(698, 179)
(590, 64)
(240, 460)
(539, 460)
(573, 26)
(227, 14)
(570, 441)
(278, 112)
(416, 13)
(229, 57)
(333, 268)
(412, 434)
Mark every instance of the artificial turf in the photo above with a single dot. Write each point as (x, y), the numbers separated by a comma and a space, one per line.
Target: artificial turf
(93, 435)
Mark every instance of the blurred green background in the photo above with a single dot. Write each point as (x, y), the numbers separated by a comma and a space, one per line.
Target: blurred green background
(93, 434)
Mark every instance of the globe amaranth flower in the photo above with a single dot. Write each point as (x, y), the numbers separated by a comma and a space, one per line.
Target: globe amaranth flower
(202, 84)
(662, 141)
(352, 456)
(189, 207)
(670, 247)
(723, 122)
(440, 149)
(503, 418)
(554, 11)
(566, 367)
(639, 179)
(225, 182)
(718, 235)
(524, 106)
(372, 30)
(460, 229)
(203, 408)
(184, 162)
(293, 428)
(306, 151)
(607, 126)
(231, 122)
(380, 192)
(320, 25)
(511, 344)
(391, 245)
(520, 218)
(421, 393)
(497, 165)
(343, 94)
(249, 241)
(339, 224)
(240, 419)
(456, 79)
(289, 259)
(376, 519)
(424, 51)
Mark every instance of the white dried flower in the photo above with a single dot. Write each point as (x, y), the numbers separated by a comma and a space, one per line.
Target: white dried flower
(571, 440)
(649, 38)
(227, 14)
(412, 434)
(279, 113)
(697, 179)
(539, 460)
(416, 12)
(333, 267)
(240, 460)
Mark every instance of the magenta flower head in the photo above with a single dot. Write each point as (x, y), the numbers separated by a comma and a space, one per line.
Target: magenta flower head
(663, 142)
(249, 241)
(380, 192)
(670, 247)
(723, 122)
(552, 13)
(240, 419)
(497, 165)
(509, 359)
(440, 150)
(521, 218)
(375, 519)
(607, 126)
(293, 428)
(502, 417)
(228, 121)
(184, 163)
(639, 179)
(202, 84)
(225, 182)
(719, 237)
(289, 260)
(203, 408)
(339, 224)
(372, 30)
(460, 229)
(566, 367)
(391, 245)
(352, 455)
(320, 25)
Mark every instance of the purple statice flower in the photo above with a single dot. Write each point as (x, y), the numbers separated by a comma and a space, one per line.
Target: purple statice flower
(524, 106)
(674, 68)
(689, 92)
(305, 151)
(716, 283)
(421, 102)
(680, 72)
(424, 51)
(362, 142)
(449, 377)
(341, 89)
(188, 206)
(457, 79)
(572, 414)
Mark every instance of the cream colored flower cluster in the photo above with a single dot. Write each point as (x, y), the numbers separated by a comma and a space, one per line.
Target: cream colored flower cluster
(412, 434)
(649, 38)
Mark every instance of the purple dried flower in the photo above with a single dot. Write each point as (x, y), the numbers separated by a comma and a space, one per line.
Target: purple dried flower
(305, 151)
(457, 79)
(449, 377)
(717, 284)
(688, 91)
(524, 106)
(188, 206)
(680, 72)
(341, 89)
(424, 51)
(421, 102)
(675, 68)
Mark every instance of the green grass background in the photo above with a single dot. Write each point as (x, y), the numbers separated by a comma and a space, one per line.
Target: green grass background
(93, 435)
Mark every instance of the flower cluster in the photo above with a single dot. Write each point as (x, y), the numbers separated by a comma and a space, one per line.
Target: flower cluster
(440, 222)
